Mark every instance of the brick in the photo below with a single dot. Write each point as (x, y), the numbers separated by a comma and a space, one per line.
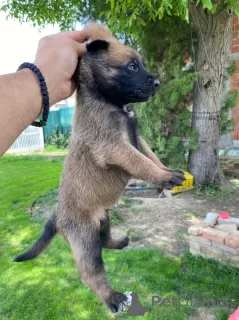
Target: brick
(229, 228)
(194, 252)
(200, 240)
(228, 221)
(232, 240)
(211, 219)
(234, 85)
(235, 35)
(195, 245)
(235, 20)
(234, 258)
(235, 77)
(235, 49)
(215, 252)
(235, 42)
(214, 234)
(196, 229)
(225, 248)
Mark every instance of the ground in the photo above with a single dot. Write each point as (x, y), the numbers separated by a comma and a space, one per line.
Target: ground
(49, 286)
(153, 222)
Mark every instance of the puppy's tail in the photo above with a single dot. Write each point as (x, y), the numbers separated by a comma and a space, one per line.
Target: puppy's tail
(40, 245)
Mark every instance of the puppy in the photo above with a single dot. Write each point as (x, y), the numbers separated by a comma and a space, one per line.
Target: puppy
(105, 151)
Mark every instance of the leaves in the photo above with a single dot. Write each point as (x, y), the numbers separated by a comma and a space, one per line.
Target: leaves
(207, 4)
(236, 10)
(165, 120)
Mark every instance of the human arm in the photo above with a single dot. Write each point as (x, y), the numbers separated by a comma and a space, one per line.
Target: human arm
(20, 95)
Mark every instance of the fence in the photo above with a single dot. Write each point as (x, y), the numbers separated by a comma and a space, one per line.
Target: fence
(61, 119)
(31, 139)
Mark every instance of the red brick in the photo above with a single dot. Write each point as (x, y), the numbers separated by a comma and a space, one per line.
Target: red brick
(226, 249)
(211, 251)
(235, 77)
(235, 49)
(235, 42)
(235, 35)
(214, 234)
(229, 228)
(235, 27)
(234, 84)
(232, 240)
(200, 240)
(235, 20)
(196, 229)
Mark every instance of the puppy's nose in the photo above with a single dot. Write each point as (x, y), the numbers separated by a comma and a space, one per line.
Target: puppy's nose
(156, 83)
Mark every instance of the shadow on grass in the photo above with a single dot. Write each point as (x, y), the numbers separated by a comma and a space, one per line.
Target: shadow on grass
(49, 287)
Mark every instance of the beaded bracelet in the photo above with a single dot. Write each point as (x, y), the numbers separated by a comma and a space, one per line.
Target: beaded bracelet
(44, 92)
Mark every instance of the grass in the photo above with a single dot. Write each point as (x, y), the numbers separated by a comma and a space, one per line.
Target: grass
(49, 198)
(49, 286)
(212, 192)
(115, 217)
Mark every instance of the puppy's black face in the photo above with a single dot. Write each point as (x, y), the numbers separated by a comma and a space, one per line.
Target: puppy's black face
(120, 78)
(134, 83)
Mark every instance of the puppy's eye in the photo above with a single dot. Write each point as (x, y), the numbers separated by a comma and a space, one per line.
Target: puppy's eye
(132, 67)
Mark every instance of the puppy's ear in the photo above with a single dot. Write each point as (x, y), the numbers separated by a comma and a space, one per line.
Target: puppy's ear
(97, 45)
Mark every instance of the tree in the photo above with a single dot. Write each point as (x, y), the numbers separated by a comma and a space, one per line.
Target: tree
(213, 33)
(212, 22)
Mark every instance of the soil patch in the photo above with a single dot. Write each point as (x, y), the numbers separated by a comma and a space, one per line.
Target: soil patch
(151, 221)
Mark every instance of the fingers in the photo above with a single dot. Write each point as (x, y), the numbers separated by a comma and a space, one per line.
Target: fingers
(80, 48)
(78, 36)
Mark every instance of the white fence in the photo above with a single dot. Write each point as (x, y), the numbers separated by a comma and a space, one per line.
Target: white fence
(31, 139)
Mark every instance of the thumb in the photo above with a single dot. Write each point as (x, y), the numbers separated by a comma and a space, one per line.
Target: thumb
(81, 48)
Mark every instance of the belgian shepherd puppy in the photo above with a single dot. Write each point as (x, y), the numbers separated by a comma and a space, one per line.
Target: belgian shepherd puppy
(105, 151)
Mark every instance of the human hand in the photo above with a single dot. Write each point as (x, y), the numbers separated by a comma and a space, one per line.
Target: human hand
(57, 57)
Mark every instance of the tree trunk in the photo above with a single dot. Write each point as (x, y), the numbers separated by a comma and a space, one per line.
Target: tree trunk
(213, 33)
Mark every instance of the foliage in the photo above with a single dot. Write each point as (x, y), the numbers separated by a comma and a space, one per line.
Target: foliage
(212, 192)
(226, 121)
(58, 139)
(165, 120)
(115, 217)
(124, 16)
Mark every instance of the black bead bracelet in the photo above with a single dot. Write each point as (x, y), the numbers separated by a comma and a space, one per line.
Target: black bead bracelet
(44, 92)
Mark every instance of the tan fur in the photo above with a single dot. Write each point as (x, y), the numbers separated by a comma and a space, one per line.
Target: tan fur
(118, 52)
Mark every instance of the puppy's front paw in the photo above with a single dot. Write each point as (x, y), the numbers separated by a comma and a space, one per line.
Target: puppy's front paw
(176, 180)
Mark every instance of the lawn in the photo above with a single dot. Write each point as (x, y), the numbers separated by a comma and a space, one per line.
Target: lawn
(49, 286)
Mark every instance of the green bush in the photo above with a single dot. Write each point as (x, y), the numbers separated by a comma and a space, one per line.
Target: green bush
(58, 139)
(165, 121)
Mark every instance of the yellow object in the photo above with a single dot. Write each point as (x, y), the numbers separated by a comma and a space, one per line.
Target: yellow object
(187, 184)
